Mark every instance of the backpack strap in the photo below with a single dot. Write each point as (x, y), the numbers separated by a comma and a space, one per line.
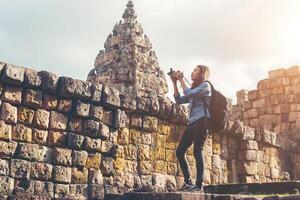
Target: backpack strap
(212, 90)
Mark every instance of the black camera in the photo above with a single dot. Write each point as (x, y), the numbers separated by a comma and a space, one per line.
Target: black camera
(171, 72)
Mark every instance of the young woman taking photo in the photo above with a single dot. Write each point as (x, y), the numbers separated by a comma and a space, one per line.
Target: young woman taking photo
(197, 130)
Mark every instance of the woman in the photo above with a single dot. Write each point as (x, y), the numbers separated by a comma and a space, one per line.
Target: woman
(197, 129)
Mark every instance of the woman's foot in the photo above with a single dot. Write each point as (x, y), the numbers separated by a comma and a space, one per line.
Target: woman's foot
(186, 186)
(196, 188)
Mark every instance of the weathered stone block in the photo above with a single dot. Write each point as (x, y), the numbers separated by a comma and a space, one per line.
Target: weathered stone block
(78, 191)
(79, 175)
(96, 192)
(22, 133)
(103, 131)
(7, 149)
(248, 145)
(64, 105)
(9, 113)
(150, 123)
(44, 189)
(142, 104)
(96, 112)
(58, 121)
(123, 136)
(144, 152)
(79, 158)
(83, 90)
(39, 136)
(250, 168)
(107, 117)
(4, 167)
(96, 92)
(263, 84)
(259, 103)
(107, 166)
(95, 177)
(33, 98)
(93, 161)
(276, 73)
(25, 115)
(146, 138)
(49, 102)
(145, 167)
(120, 120)
(248, 133)
(293, 71)
(67, 87)
(75, 141)
(5, 131)
(62, 156)
(32, 78)
(136, 120)
(75, 125)
(250, 155)
(13, 75)
(109, 149)
(41, 119)
(90, 127)
(110, 97)
(49, 81)
(41, 171)
(269, 137)
(128, 103)
(57, 138)
(6, 185)
(92, 144)
(34, 152)
(62, 174)
(61, 190)
(82, 109)
(20, 168)
(12, 95)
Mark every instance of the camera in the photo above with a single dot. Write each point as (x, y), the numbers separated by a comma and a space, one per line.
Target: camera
(171, 72)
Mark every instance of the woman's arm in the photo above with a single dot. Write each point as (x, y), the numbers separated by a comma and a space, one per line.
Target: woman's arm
(179, 99)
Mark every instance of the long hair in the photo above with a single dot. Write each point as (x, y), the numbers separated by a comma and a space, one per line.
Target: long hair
(204, 76)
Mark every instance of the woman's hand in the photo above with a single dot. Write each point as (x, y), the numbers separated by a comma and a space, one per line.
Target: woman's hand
(179, 75)
(173, 78)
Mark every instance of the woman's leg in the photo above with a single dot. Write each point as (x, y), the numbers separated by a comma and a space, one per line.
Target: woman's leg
(200, 135)
(184, 143)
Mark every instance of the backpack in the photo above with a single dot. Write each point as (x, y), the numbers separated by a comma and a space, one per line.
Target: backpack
(219, 110)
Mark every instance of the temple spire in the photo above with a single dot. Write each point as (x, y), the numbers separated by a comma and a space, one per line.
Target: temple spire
(129, 13)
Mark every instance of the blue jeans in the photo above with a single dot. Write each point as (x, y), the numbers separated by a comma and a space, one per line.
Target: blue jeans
(196, 133)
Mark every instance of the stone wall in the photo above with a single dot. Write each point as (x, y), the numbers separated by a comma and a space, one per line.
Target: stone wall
(61, 137)
(275, 104)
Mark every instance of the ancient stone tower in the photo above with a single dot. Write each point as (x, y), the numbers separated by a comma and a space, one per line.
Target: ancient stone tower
(128, 61)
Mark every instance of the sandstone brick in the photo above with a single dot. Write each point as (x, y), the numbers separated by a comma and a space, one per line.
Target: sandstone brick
(34, 152)
(75, 141)
(248, 133)
(5, 131)
(250, 168)
(33, 98)
(6, 185)
(62, 174)
(45, 189)
(296, 89)
(67, 86)
(57, 138)
(9, 113)
(123, 136)
(78, 191)
(49, 81)
(135, 136)
(269, 137)
(41, 119)
(170, 156)
(142, 104)
(79, 175)
(62, 156)
(103, 131)
(252, 95)
(58, 121)
(32, 78)
(145, 168)
(96, 191)
(83, 90)
(92, 144)
(130, 152)
(24, 188)
(144, 152)
(49, 102)
(7, 149)
(75, 125)
(276, 73)
(263, 84)
(146, 138)
(82, 109)
(248, 145)
(150, 123)
(41, 171)
(110, 97)
(12, 95)
(107, 117)
(249, 155)
(96, 112)
(259, 103)
(107, 166)
(22, 133)
(20, 168)
(293, 71)
(90, 127)
(79, 158)
(96, 92)
(13, 75)
(4, 167)
(39, 136)
(109, 149)
(61, 190)
(64, 105)
(128, 103)
(95, 177)
(120, 120)
(25, 115)
(93, 161)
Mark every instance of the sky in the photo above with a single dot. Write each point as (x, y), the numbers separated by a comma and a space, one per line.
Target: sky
(239, 40)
